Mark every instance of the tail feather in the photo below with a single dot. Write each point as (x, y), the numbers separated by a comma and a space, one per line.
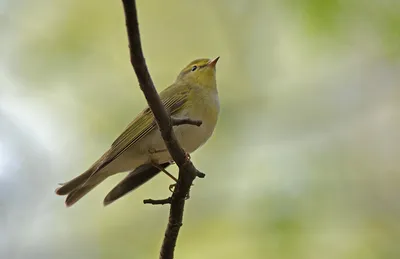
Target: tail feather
(70, 186)
(81, 191)
(133, 180)
(78, 187)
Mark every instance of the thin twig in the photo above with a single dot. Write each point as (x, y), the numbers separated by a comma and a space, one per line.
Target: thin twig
(187, 171)
(158, 202)
(200, 174)
(180, 121)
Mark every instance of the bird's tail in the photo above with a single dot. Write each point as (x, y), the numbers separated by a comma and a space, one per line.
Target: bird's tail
(80, 186)
(133, 180)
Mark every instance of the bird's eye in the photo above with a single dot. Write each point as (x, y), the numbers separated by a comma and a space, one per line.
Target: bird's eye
(194, 68)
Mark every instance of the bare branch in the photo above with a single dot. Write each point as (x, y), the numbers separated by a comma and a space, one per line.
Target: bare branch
(158, 202)
(181, 121)
(187, 171)
(200, 174)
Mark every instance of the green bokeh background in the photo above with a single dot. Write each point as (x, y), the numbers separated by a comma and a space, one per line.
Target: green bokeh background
(304, 162)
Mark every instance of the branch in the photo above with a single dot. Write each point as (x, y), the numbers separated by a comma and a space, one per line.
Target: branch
(181, 121)
(158, 202)
(187, 171)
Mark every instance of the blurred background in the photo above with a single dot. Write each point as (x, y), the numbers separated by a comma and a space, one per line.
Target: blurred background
(303, 163)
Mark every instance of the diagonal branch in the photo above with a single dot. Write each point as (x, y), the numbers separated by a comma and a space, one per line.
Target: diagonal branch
(187, 171)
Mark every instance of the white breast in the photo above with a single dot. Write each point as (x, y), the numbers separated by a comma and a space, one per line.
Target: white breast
(190, 137)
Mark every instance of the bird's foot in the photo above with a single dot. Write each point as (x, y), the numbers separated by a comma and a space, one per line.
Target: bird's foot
(172, 189)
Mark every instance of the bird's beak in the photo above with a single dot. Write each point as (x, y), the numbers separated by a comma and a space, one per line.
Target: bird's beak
(213, 62)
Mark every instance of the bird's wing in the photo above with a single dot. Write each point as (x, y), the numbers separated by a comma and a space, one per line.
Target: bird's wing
(133, 180)
(174, 101)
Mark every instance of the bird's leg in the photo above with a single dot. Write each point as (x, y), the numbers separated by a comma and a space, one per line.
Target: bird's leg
(165, 171)
(171, 186)
(154, 151)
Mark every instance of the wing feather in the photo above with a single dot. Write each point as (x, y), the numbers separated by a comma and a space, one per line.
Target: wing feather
(144, 123)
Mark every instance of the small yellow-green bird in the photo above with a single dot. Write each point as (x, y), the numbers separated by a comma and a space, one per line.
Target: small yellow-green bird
(140, 149)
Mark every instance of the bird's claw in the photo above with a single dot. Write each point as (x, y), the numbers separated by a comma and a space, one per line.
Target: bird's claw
(172, 187)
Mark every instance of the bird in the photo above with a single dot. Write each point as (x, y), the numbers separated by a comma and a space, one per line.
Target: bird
(140, 149)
